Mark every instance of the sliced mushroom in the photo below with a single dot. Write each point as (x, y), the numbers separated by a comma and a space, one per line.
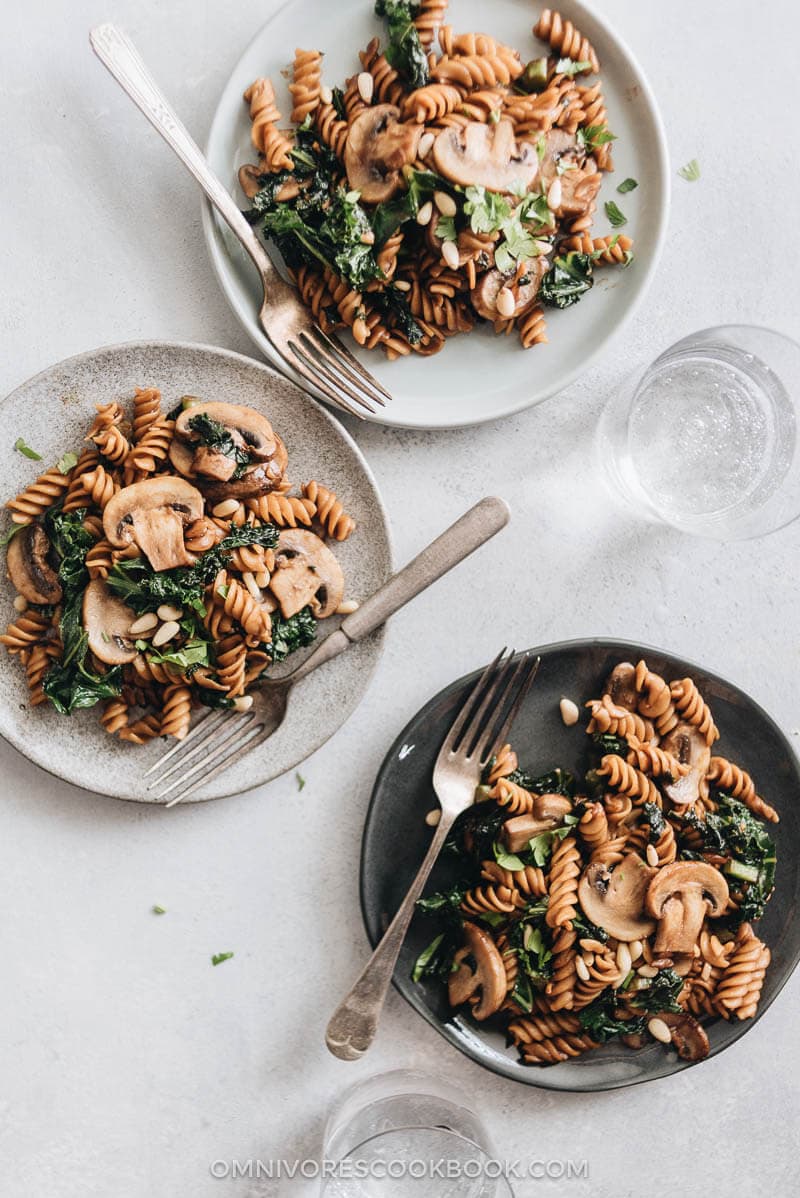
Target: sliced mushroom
(680, 896)
(107, 620)
(489, 285)
(28, 567)
(378, 147)
(255, 480)
(488, 975)
(306, 574)
(615, 899)
(688, 1036)
(548, 812)
(687, 744)
(485, 155)
(621, 686)
(248, 430)
(562, 155)
(153, 514)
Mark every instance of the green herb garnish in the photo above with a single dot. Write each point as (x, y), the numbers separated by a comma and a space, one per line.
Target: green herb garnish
(568, 279)
(218, 958)
(26, 450)
(67, 462)
(627, 185)
(690, 172)
(300, 781)
(159, 910)
(614, 215)
(404, 51)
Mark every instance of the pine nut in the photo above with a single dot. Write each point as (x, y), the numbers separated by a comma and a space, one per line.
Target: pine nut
(554, 195)
(325, 94)
(366, 86)
(624, 959)
(145, 623)
(450, 255)
(569, 712)
(402, 285)
(589, 958)
(542, 247)
(433, 817)
(505, 303)
(445, 203)
(636, 950)
(592, 946)
(243, 703)
(166, 632)
(652, 855)
(582, 969)
(659, 1030)
(347, 607)
(168, 611)
(368, 237)
(262, 578)
(425, 144)
(647, 971)
(425, 213)
(705, 972)
(226, 508)
(248, 578)
(20, 603)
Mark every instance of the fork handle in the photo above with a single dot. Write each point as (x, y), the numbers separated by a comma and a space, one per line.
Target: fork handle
(353, 1025)
(461, 539)
(119, 55)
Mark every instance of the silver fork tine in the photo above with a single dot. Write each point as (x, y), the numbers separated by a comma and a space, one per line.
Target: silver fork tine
(323, 364)
(301, 363)
(529, 668)
(220, 758)
(220, 735)
(505, 687)
(338, 369)
(467, 707)
(348, 362)
(470, 738)
(201, 725)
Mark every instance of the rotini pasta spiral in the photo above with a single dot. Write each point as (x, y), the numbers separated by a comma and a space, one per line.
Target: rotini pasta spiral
(231, 663)
(153, 447)
(656, 699)
(628, 780)
(306, 83)
(287, 511)
(737, 782)
(565, 39)
(329, 511)
(176, 713)
(565, 868)
(429, 17)
(38, 496)
(694, 709)
(504, 764)
(146, 410)
(267, 137)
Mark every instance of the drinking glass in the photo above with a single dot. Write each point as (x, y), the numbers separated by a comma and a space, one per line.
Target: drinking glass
(405, 1135)
(706, 440)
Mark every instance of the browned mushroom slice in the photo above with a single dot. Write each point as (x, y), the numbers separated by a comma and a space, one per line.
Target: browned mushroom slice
(689, 1038)
(561, 155)
(686, 743)
(306, 574)
(481, 155)
(621, 686)
(680, 896)
(378, 147)
(107, 621)
(28, 567)
(488, 974)
(250, 177)
(255, 480)
(548, 812)
(615, 899)
(153, 514)
(247, 429)
(484, 294)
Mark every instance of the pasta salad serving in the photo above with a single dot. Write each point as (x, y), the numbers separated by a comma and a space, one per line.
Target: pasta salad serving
(621, 906)
(451, 180)
(169, 563)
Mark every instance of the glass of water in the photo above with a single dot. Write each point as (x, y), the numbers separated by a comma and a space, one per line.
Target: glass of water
(706, 439)
(405, 1135)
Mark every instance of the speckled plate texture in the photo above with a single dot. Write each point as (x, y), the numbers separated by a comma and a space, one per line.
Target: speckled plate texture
(52, 412)
(476, 377)
(396, 838)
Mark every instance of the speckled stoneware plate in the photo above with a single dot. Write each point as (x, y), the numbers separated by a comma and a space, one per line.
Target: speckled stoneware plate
(51, 413)
(396, 838)
(478, 377)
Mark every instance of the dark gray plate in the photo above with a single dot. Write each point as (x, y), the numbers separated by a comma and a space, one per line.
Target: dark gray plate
(396, 837)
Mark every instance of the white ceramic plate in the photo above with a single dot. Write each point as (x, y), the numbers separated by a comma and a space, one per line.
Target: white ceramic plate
(477, 377)
(51, 412)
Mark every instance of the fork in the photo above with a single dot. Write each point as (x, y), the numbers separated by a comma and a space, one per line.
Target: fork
(479, 731)
(321, 361)
(220, 736)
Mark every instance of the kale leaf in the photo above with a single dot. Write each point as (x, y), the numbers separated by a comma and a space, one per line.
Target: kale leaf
(657, 994)
(216, 436)
(328, 231)
(420, 186)
(587, 930)
(70, 683)
(555, 782)
(569, 278)
(393, 303)
(291, 634)
(71, 541)
(599, 1020)
(405, 51)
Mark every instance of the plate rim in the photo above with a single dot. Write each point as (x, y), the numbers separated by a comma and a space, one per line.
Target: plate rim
(212, 236)
(510, 1068)
(218, 352)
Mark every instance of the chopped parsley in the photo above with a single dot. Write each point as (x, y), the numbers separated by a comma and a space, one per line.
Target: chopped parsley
(218, 958)
(26, 450)
(615, 216)
(690, 172)
(627, 185)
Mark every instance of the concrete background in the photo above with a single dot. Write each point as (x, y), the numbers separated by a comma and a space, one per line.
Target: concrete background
(128, 1064)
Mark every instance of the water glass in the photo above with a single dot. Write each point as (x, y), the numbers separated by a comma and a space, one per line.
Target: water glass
(706, 440)
(405, 1135)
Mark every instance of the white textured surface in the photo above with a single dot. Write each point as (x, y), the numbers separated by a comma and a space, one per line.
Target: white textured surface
(127, 1062)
